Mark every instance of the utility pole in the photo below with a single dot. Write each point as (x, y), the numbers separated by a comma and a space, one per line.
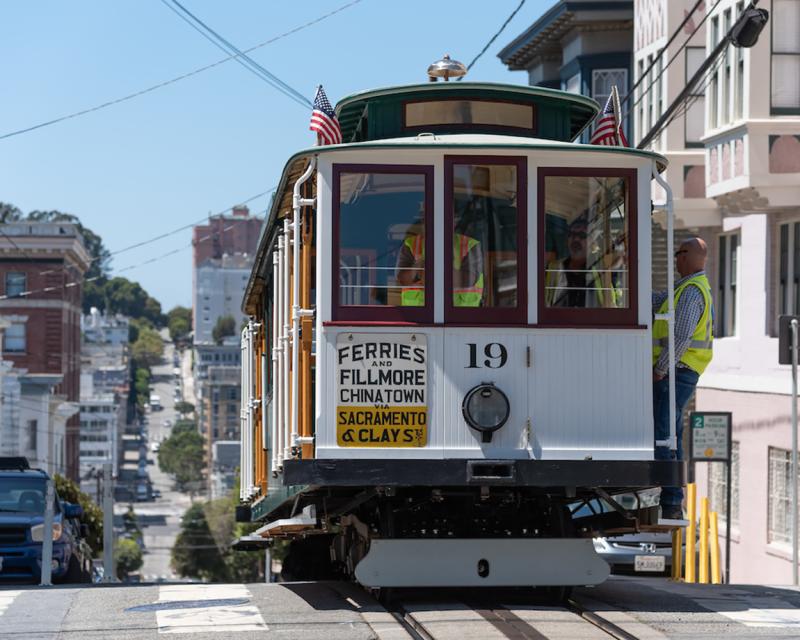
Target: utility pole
(109, 570)
(47, 534)
(744, 33)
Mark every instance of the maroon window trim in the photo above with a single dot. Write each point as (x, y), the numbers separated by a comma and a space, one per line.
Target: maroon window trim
(468, 127)
(494, 315)
(592, 317)
(374, 313)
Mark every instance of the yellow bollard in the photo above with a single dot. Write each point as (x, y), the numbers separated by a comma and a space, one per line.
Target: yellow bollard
(716, 574)
(702, 572)
(677, 550)
(691, 532)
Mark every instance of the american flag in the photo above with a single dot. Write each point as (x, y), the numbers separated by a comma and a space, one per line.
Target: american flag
(323, 120)
(608, 129)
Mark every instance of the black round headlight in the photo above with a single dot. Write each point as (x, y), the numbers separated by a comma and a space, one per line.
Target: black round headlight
(486, 409)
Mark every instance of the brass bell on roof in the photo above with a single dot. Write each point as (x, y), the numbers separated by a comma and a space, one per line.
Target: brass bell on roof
(446, 68)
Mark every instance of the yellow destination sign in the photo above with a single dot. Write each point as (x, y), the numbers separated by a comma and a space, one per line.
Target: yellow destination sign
(381, 427)
(381, 390)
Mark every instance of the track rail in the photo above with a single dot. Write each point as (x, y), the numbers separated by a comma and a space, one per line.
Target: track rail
(506, 623)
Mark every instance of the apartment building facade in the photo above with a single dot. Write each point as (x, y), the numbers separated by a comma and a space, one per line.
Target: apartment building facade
(221, 261)
(42, 266)
(735, 171)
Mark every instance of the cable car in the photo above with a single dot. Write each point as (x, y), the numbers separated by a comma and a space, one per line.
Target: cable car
(448, 359)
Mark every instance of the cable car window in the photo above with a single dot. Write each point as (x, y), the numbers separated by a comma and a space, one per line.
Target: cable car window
(587, 233)
(485, 249)
(382, 247)
(463, 113)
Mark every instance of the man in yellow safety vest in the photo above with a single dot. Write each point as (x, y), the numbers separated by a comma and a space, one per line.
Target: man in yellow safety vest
(468, 279)
(694, 333)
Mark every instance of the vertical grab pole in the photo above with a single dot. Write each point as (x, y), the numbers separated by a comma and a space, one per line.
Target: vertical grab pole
(285, 319)
(273, 441)
(297, 204)
(794, 508)
(279, 382)
(672, 441)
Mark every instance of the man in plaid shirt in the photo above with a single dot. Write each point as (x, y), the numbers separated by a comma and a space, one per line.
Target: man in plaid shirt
(694, 319)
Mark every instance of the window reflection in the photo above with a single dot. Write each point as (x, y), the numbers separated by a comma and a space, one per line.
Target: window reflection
(381, 239)
(586, 224)
(484, 235)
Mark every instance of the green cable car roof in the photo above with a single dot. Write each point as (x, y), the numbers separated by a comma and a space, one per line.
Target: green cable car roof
(379, 113)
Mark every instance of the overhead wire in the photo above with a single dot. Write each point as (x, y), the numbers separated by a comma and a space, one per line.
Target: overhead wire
(136, 265)
(242, 58)
(176, 79)
(495, 36)
(669, 62)
(155, 238)
(661, 51)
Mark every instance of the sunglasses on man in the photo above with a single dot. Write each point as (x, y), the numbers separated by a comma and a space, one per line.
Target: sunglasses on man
(680, 251)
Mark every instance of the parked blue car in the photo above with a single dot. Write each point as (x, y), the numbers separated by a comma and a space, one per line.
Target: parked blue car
(22, 503)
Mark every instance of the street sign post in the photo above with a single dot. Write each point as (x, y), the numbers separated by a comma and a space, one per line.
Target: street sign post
(711, 442)
(787, 354)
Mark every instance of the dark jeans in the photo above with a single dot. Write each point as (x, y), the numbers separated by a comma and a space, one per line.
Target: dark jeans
(685, 382)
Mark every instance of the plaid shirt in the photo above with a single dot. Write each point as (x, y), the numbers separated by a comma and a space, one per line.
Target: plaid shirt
(688, 312)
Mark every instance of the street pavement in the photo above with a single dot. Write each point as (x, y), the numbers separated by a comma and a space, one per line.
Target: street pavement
(160, 518)
(644, 608)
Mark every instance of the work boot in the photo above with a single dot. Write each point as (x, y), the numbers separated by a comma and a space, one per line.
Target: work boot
(671, 512)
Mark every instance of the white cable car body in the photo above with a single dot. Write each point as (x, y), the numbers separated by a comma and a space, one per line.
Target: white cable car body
(449, 357)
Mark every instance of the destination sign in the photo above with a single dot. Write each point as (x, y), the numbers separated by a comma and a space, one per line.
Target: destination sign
(381, 390)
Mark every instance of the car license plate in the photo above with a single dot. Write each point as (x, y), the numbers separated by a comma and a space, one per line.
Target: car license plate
(649, 563)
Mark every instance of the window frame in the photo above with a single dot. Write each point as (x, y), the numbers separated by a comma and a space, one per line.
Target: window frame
(497, 316)
(585, 317)
(11, 274)
(777, 111)
(697, 95)
(376, 314)
(468, 127)
(16, 352)
(728, 304)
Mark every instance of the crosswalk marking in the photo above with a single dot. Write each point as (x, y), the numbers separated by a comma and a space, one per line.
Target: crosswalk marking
(207, 607)
(756, 612)
(6, 598)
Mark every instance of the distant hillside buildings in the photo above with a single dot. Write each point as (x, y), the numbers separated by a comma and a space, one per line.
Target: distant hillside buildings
(223, 258)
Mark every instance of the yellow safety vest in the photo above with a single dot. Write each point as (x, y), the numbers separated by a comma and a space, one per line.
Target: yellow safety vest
(553, 275)
(699, 353)
(412, 296)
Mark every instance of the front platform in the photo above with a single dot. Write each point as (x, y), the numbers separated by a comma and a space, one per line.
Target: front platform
(459, 473)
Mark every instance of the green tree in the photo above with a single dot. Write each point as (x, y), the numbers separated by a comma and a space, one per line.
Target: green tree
(179, 322)
(184, 407)
(148, 348)
(9, 213)
(203, 546)
(92, 516)
(182, 456)
(101, 257)
(128, 557)
(225, 326)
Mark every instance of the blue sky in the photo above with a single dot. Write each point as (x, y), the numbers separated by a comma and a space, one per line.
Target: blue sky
(165, 159)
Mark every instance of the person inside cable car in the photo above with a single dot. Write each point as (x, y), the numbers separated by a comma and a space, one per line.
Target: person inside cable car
(580, 279)
(468, 279)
